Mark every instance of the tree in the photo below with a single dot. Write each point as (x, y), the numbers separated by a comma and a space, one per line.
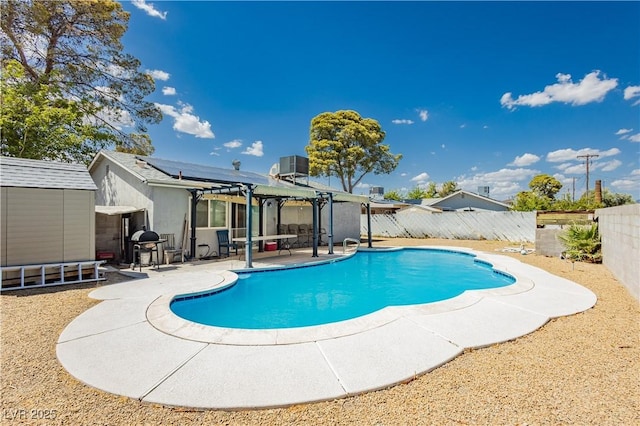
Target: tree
(416, 193)
(71, 57)
(545, 186)
(431, 190)
(345, 145)
(612, 199)
(393, 195)
(35, 120)
(527, 201)
(448, 188)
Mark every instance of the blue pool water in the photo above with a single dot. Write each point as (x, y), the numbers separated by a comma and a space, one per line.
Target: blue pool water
(365, 283)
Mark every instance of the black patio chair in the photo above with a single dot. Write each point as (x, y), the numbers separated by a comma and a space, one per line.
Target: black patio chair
(224, 243)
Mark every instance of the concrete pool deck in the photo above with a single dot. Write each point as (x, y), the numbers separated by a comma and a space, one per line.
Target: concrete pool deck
(130, 345)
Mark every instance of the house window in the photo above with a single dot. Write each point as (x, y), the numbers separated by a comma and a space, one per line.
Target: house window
(211, 214)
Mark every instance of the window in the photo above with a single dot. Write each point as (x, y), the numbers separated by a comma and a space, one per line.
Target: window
(211, 214)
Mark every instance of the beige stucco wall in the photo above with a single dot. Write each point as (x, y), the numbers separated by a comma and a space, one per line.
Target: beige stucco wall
(47, 226)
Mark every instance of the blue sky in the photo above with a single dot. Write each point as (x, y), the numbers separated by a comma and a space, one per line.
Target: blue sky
(482, 93)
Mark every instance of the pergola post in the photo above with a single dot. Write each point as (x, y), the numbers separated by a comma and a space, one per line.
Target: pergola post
(249, 244)
(369, 225)
(194, 204)
(330, 235)
(314, 207)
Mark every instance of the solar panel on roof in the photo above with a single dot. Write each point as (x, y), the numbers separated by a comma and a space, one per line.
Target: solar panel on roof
(208, 173)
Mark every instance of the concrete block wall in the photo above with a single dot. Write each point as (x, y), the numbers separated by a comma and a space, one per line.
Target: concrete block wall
(619, 229)
(547, 242)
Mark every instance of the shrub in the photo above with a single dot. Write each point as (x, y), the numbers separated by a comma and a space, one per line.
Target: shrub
(582, 243)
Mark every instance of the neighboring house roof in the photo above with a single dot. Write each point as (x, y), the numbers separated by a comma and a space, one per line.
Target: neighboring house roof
(419, 209)
(24, 173)
(157, 171)
(442, 203)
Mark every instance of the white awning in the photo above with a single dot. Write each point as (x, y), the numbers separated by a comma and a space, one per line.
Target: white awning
(114, 210)
(281, 191)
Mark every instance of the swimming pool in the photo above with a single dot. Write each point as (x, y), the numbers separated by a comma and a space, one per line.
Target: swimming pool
(365, 283)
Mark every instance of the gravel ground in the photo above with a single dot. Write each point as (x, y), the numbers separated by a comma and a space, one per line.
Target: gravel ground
(582, 369)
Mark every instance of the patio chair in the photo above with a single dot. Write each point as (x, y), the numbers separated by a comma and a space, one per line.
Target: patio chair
(292, 228)
(224, 243)
(170, 250)
(303, 234)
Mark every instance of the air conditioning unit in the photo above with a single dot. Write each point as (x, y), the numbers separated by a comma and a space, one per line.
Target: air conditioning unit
(294, 165)
(484, 191)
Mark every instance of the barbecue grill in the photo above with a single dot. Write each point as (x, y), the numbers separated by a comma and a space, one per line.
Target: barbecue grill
(145, 243)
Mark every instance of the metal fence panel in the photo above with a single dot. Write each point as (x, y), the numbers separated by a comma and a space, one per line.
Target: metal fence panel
(501, 226)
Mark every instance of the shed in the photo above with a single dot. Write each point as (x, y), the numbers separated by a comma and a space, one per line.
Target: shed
(47, 222)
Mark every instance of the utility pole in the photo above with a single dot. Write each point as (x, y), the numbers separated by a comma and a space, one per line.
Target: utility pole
(587, 158)
(573, 193)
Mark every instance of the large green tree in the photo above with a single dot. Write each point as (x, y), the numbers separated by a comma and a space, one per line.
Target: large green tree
(448, 188)
(348, 146)
(71, 56)
(545, 185)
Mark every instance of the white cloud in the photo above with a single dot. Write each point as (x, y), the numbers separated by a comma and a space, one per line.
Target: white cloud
(608, 166)
(635, 138)
(255, 149)
(462, 126)
(525, 160)
(590, 89)
(186, 122)
(503, 183)
(159, 74)
(423, 114)
(635, 172)
(623, 132)
(442, 146)
(627, 185)
(402, 121)
(632, 92)
(236, 143)
(421, 178)
(168, 91)
(149, 8)
(403, 174)
(571, 155)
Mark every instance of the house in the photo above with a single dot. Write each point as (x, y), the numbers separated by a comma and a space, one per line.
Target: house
(47, 223)
(193, 201)
(419, 208)
(465, 201)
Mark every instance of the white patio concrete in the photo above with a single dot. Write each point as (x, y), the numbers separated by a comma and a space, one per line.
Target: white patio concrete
(132, 344)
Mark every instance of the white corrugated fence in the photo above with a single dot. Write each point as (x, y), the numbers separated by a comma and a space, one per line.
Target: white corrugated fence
(501, 226)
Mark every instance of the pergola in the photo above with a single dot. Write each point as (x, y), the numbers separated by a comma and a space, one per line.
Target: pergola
(281, 192)
(250, 185)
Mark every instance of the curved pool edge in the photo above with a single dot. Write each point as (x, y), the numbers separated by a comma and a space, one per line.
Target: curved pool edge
(112, 347)
(161, 317)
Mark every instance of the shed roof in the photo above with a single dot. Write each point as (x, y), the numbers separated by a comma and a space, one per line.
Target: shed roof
(25, 173)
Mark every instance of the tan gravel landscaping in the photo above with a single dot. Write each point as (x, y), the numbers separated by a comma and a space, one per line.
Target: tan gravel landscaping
(581, 369)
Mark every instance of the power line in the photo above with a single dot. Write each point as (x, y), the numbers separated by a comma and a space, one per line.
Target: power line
(588, 157)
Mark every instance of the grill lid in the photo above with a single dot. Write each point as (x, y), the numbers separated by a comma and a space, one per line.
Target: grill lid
(143, 236)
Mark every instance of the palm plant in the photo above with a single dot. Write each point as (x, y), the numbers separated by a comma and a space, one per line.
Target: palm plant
(582, 243)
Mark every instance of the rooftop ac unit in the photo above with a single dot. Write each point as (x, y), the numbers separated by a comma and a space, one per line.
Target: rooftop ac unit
(294, 165)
